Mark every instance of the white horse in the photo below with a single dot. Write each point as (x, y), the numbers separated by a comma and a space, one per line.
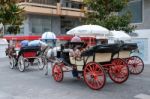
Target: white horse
(50, 54)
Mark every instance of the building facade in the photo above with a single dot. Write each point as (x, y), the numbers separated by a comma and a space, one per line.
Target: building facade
(144, 14)
(140, 10)
(141, 18)
(57, 16)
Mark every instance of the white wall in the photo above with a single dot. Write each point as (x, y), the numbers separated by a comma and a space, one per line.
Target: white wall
(3, 46)
(146, 16)
(144, 34)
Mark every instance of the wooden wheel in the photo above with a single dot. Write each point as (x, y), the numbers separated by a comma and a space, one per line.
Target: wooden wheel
(119, 71)
(26, 63)
(94, 76)
(21, 65)
(136, 65)
(12, 62)
(57, 72)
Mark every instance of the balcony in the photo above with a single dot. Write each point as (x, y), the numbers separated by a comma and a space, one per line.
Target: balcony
(39, 8)
(72, 12)
(47, 9)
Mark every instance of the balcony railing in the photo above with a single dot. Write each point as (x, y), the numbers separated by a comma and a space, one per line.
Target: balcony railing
(46, 2)
(77, 5)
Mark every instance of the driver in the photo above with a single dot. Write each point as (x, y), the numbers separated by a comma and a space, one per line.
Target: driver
(75, 53)
(76, 39)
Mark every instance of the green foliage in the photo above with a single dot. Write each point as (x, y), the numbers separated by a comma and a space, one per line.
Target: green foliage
(105, 13)
(11, 14)
(13, 29)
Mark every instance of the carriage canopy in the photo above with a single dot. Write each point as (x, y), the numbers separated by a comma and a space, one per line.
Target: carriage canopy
(89, 30)
(48, 36)
(120, 35)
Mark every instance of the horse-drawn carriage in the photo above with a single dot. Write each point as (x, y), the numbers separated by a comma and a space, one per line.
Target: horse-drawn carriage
(24, 56)
(92, 64)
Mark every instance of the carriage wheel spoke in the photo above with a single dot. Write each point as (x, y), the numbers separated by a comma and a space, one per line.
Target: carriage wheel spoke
(88, 69)
(119, 72)
(94, 75)
(136, 66)
(57, 73)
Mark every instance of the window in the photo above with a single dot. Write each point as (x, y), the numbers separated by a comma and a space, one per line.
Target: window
(40, 24)
(136, 8)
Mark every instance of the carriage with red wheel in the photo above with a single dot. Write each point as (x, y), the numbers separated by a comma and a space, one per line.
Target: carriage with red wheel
(135, 63)
(91, 64)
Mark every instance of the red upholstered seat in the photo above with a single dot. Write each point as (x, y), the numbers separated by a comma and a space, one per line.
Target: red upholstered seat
(29, 54)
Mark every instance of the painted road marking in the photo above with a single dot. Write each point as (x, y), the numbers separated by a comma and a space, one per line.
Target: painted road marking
(142, 96)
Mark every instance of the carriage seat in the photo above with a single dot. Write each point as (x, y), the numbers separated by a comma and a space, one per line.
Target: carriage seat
(29, 51)
(102, 53)
(126, 48)
(75, 49)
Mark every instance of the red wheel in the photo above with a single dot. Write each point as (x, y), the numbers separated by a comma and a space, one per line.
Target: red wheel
(119, 71)
(136, 65)
(94, 76)
(57, 73)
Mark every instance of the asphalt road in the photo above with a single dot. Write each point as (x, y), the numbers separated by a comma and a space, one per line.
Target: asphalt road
(33, 84)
